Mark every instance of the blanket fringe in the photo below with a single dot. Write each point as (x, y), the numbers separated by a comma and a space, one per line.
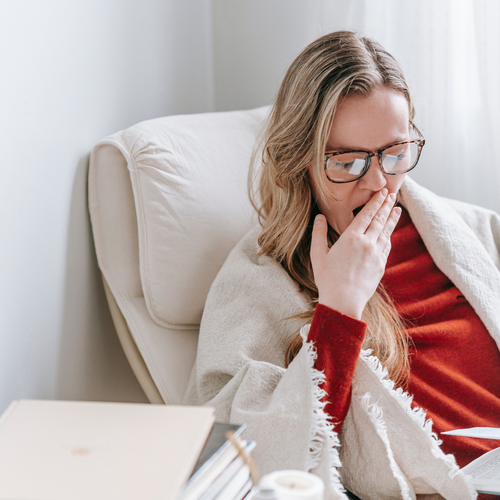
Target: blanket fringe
(375, 414)
(321, 433)
(417, 414)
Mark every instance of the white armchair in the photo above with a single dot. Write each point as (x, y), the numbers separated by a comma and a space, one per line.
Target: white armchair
(168, 201)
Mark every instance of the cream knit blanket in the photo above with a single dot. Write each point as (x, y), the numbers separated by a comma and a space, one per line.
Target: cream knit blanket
(386, 448)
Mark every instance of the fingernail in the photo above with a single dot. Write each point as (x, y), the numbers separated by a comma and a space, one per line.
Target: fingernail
(384, 192)
(317, 220)
(398, 211)
(392, 197)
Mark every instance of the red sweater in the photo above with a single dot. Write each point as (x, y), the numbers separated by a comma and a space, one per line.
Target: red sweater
(455, 364)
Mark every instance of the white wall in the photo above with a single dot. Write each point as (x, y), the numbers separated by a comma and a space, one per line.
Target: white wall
(254, 42)
(70, 74)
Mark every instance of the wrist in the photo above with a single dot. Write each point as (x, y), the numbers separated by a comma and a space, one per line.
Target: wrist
(344, 307)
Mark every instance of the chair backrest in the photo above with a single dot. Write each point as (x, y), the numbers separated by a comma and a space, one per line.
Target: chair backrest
(168, 201)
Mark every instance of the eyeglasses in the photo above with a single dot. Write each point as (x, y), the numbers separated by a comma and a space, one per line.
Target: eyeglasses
(399, 158)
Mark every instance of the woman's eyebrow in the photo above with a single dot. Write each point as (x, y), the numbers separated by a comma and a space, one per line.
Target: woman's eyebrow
(331, 147)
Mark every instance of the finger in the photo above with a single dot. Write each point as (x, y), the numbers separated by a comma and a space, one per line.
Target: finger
(319, 241)
(387, 250)
(364, 218)
(385, 235)
(378, 222)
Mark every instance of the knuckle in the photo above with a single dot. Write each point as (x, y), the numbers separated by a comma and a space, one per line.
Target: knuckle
(352, 238)
(369, 214)
(367, 247)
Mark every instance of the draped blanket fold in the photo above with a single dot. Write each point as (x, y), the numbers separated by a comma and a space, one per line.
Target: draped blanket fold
(387, 448)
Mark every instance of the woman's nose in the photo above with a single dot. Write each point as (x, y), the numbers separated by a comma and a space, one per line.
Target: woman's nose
(374, 179)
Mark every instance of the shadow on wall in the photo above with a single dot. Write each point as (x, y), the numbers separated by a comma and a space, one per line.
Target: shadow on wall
(92, 364)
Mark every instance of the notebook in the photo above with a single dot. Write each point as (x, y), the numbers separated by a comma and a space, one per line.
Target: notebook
(61, 450)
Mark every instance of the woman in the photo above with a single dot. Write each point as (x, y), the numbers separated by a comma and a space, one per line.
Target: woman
(315, 327)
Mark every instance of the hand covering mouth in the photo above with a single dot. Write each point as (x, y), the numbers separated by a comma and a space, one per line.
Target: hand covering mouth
(357, 210)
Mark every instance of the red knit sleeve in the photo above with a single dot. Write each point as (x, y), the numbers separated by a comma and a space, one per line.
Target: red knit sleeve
(338, 339)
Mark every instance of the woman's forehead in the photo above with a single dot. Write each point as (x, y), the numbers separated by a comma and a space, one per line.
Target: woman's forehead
(370, 121)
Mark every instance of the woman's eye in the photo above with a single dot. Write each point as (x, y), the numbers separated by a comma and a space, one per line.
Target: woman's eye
(395, 157)
(347, 163)
(344, 165)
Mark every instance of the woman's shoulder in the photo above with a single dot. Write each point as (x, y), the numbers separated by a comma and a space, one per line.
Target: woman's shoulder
(432, 214)
(421, 199)
(484, 223)
(248, 274)
(472, 214)
(252, 303)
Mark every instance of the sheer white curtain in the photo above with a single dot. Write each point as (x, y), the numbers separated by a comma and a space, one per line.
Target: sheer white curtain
(448, 49)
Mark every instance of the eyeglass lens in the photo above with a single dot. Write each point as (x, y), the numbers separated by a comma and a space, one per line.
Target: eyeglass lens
(395, 160)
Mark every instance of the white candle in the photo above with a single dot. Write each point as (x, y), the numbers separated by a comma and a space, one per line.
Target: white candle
(294, 485)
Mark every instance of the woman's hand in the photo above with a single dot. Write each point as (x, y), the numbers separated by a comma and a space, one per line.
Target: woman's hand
(348, 274)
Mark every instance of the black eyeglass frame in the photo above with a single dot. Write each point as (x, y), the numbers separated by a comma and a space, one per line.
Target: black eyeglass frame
(369, 154)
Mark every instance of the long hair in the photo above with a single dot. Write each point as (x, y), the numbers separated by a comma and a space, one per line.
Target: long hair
(334, 66)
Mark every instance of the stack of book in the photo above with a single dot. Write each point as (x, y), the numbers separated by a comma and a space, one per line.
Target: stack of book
(65, 450)
(221, 472)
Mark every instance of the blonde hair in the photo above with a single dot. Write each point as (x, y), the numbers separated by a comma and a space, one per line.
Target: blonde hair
(334, 66)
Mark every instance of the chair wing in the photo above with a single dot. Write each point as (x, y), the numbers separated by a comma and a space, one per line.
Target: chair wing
(168, 201)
